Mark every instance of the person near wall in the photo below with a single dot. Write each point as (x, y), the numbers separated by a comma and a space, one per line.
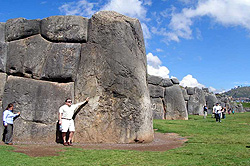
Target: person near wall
(66, 121)
(8, 119)
(205, 111)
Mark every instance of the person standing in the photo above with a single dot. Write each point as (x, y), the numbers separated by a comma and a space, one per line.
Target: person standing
(217, 110)
(66, 113)
(205, 111)
(8, 118)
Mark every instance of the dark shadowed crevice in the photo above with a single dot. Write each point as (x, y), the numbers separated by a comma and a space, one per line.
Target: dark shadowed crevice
(59, 79)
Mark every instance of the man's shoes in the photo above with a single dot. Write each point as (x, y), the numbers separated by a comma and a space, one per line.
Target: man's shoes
(65, 144)
(9, 143)
(70, 144)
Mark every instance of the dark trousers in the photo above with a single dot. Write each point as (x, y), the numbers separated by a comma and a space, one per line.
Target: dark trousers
(8, 133)
(217, 116)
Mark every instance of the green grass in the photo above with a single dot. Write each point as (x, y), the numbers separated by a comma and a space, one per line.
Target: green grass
(246, 105)
(209, 143)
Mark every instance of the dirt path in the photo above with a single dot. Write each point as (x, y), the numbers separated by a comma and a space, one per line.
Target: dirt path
(162, 142)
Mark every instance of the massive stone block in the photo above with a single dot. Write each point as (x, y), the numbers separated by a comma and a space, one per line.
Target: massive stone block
(175, 104)
(166, 82)
(155, 80)
(3, 56)
(196, 102)
(62, 62)
(158, 108)
(65, 28)
(156, 91)
(185, 95)
(2, 32)
(27, 56)
(112, 72)
(211, 100)
(38, 102)
(19, 28)
(3, 78)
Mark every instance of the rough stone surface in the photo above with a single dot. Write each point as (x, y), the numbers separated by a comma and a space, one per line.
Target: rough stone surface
(62, 62)
(185, 95)
(155, 80)
(175, 104)
(157, 106)
(190, 90)
(27, 56)
(175, 80)
(20, 28)
(156, 91)
(65, 28)
(112, 72)
(3, 78)
(2, 32)
(166, 82)
(196, 102)
(38, 102)
(211, 100)
(3, 56)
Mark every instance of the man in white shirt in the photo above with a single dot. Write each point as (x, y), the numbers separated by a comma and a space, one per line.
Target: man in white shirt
(66, 113)
(217, 110)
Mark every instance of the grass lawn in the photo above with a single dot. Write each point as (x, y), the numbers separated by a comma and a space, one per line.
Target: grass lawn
(210, 143)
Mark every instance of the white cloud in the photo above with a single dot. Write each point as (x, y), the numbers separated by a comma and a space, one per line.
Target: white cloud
(189, 81)
(159, 50)
(147, 2)
(81, 7)
(224, 12)
(146, 32)
(131, 8)
(155, 68)
(153, 60)
(212, 89)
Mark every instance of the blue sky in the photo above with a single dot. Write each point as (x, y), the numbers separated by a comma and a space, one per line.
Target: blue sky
(204, 43)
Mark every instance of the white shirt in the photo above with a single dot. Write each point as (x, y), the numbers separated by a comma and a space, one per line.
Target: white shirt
(217, 109)
(8, 117)
(68, 111)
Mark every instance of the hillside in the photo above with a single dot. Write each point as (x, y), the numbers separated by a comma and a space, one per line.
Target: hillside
(239, 92)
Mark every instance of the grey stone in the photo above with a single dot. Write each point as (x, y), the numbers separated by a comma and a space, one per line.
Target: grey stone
(190, 90)
(175, 80)
(157, 106)
(65, 28)
(175, 103)
(113, 73)
(3, 78)
(185, 95)
(211, 100)
(166, 82)
(2, 32)
(156, 91)
(19, 28)
(62, 62)
(3, 56)
(27, 56)
(206, 90)
(39, 102)
(196, 102)
(155, 80)
(240, 108)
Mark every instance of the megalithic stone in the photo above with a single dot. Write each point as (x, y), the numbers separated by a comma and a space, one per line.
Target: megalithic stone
(112, 72)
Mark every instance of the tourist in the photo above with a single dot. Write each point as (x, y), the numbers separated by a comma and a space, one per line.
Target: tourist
(66, 113)
(205, 111)
(8, 118)
(224, 112)
(217, 110)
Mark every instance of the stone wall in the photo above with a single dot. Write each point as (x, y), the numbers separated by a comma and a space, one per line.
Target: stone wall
(167, 100)
(42, 62)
